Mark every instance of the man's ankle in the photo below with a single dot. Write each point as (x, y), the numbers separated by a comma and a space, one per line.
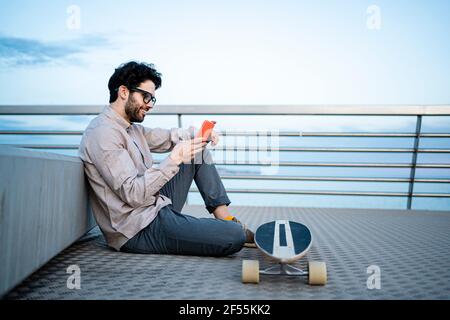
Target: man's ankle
(221, 212)
(221, 216)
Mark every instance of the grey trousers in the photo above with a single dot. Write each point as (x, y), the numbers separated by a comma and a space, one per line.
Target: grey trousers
(173, 232)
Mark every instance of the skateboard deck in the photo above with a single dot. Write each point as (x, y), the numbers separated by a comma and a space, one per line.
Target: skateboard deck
(285, 242)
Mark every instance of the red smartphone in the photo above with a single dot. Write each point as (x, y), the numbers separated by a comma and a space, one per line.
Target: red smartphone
(206, 129)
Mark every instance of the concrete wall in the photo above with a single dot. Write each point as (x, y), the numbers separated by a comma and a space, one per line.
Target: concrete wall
(43, 209)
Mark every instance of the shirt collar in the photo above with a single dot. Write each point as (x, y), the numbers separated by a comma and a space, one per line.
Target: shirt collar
(113, 115)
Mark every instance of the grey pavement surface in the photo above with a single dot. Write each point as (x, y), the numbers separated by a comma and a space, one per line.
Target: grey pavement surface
(411, 248)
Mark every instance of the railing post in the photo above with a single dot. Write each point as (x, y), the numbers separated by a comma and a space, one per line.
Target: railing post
(414, 162)
(180, 125)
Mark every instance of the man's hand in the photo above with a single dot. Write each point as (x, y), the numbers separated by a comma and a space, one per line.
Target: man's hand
(214, 138)
(186, 150)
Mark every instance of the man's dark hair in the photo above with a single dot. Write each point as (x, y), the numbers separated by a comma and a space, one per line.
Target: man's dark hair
(131, 74)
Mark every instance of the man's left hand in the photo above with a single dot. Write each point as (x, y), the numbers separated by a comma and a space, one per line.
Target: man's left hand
(214, 138)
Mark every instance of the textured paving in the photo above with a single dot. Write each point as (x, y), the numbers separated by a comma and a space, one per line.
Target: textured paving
(410, 248)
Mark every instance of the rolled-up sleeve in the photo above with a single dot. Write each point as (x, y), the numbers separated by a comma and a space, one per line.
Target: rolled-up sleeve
(112, 160)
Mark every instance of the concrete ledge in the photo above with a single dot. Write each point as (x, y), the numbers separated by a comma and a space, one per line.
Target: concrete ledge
(43, 210)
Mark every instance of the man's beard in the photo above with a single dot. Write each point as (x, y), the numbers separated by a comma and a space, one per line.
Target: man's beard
(132, 110)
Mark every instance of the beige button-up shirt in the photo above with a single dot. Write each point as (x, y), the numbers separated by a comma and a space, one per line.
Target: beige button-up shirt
(124, 183)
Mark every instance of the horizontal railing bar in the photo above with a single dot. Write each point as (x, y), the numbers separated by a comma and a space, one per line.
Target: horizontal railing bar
(378, 135)
(433, 150)
(336, 193)
(314, 134)
(322, 164)
(433, 165)
(435, 135)
(254, 133)
(334, 134)
(427, 180)
(300, 149)
(59, 110)
(388, 110)
(282, 164)
(270, 149)
(340, 179)
(41, 132)
(46, 146)
(326, 164)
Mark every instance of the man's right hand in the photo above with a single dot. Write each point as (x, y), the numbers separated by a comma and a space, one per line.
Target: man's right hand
(185, 151)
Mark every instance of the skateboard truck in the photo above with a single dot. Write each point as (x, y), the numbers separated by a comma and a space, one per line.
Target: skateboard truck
(284, 269)
(317, 271)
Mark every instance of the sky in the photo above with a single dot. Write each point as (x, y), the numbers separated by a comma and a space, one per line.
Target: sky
(239, 52)
(229, 52)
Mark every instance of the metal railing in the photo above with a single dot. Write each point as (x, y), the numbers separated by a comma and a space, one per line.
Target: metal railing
(398, 111)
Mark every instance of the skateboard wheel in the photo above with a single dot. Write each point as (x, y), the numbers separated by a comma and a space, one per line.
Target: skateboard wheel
(317, 272)
(250, 271)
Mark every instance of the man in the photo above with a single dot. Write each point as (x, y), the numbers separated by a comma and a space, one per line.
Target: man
(137, 205)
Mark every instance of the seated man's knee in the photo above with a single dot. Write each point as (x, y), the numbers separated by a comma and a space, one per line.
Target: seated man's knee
(235, 238)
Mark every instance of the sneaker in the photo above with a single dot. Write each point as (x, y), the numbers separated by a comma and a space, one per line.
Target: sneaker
(249, 235)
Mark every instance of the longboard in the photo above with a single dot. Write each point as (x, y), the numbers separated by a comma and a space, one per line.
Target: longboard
(284, 242)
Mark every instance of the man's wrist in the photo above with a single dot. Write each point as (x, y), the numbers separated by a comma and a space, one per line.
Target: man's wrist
(176, 159)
